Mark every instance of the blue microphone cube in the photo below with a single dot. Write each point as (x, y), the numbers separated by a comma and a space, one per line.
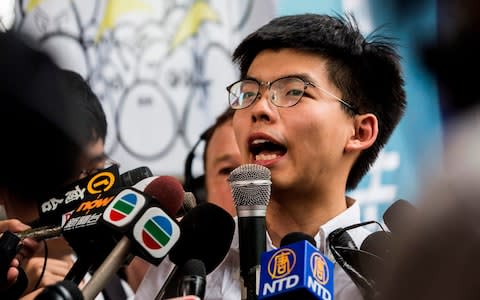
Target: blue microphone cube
(296, 271)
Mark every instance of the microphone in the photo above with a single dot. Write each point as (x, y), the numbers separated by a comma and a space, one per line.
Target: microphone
(398, 215)
(8, 249)
(296, 270)
(294, 237)
(63, 290)
(193, 279)
(58, 209)
(348, 257)
(189, 202)
(206, 234)
(132, 177)
(153, 233)
(251, 186)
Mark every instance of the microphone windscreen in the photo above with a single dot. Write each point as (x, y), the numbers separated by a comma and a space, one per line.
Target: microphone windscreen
(206, 234)
(397, 215)
(132, 177)
(194, 267)
(189, 201)
(168, 191)
(250, 185)
(379, 243)
(294, 237)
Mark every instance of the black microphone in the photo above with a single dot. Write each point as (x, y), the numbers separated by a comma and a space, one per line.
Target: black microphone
(294, 237)
(132, 177)
(206, 234)
(193, 279)
(397, 216)
(63, 290)
(146, 227)
(379, 247)
(57, 209)
(251, 187)
(347, 255)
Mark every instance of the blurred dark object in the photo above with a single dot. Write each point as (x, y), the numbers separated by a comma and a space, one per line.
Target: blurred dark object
(453, 56)
(39, 126)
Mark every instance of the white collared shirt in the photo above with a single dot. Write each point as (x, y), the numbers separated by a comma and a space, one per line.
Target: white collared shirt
(224, 282)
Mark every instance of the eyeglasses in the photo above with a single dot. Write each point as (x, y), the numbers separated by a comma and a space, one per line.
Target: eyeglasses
(103, 164)
(283, 92)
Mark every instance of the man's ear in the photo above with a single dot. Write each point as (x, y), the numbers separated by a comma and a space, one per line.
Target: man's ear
(366, 131)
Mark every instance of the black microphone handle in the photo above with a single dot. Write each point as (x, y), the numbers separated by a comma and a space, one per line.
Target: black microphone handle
(79, 269)
(192, 285)
(252, 243)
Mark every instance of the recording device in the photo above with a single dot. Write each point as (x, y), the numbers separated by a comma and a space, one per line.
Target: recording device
(63, 290)
(149, 231)
(296, 271)
(251, 187)
(8, 249)
(193, 279)
(206, 234)
(9, 243)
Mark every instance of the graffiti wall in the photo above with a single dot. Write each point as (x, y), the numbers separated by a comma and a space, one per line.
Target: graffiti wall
(160, 68)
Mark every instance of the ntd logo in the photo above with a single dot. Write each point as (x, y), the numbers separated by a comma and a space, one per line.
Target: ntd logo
(319, 268)
(282, 263)
(124, 208)
(156, 232)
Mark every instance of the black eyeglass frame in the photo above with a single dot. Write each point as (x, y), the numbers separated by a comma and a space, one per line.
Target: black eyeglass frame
(268, 84)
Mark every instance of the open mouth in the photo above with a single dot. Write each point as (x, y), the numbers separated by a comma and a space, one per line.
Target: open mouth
(263, 150)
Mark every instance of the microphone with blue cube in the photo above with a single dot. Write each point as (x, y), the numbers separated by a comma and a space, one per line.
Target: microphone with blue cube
(296, 270)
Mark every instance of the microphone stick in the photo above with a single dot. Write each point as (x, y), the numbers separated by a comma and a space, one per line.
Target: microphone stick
(110, 265)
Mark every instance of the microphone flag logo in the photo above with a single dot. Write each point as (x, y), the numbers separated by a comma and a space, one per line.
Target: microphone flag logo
(155, 232)
(124, 208)
(296, 271)
(282, 263)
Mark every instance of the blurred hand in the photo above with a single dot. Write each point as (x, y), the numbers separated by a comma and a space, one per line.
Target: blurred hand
(28, 248)
(55, 271)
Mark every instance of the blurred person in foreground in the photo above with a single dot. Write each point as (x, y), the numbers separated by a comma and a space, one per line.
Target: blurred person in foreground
(315, 103)
(31, 75)
(436, 258)
(38, 128)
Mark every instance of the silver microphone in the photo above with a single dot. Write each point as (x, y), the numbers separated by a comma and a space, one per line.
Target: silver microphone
(251, 187)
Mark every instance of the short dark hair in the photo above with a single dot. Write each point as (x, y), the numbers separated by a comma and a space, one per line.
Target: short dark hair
(90, 107)
(225, 116)
(366, 70)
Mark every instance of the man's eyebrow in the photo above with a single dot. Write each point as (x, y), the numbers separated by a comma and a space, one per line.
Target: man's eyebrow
(303, 76)
(222, 158)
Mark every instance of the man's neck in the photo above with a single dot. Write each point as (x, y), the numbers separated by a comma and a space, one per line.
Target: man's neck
(301, 215)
